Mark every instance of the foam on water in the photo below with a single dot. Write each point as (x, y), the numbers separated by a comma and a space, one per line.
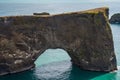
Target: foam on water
(118, 67)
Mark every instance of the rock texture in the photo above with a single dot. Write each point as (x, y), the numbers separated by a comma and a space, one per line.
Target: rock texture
(85, 35)
(115, 19)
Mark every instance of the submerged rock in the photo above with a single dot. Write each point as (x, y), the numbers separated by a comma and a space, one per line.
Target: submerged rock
(115, 19)
(85, 35)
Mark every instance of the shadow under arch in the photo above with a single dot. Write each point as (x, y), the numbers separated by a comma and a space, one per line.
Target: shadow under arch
(78, 74)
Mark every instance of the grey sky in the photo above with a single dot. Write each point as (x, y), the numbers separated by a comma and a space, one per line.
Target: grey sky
(54, 1)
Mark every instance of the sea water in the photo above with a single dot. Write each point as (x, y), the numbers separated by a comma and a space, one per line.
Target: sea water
(54, 64)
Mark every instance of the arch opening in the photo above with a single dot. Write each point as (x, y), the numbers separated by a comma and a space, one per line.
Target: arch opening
(52, 55)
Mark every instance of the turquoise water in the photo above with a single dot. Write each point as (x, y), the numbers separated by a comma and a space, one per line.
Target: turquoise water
(55, 64)
(116, 36)
(50, 56)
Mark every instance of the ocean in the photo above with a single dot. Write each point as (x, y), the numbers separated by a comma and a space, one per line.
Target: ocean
(54, 64)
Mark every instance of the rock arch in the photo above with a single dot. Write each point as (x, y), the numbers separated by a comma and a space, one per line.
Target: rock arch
(85, 35)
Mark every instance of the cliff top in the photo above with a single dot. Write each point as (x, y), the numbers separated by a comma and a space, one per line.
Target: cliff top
(91, 11)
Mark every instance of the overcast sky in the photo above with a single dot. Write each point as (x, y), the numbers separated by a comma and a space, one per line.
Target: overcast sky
(54, 1)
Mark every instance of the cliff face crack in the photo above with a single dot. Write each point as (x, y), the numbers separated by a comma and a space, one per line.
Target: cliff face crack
(85, 35)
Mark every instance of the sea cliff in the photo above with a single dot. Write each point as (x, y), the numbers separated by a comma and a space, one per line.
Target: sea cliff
(85, 35)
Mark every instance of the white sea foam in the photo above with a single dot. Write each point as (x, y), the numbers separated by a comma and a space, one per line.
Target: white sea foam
(118, 67)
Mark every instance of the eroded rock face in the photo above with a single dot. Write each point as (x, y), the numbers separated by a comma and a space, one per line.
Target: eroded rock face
(86, 36)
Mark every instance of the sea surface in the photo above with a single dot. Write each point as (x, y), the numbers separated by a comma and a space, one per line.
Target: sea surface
(54, 64)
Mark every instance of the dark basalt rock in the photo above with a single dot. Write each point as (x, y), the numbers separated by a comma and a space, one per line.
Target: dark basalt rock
(85, 35)
(43, 13)
(115, 19)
